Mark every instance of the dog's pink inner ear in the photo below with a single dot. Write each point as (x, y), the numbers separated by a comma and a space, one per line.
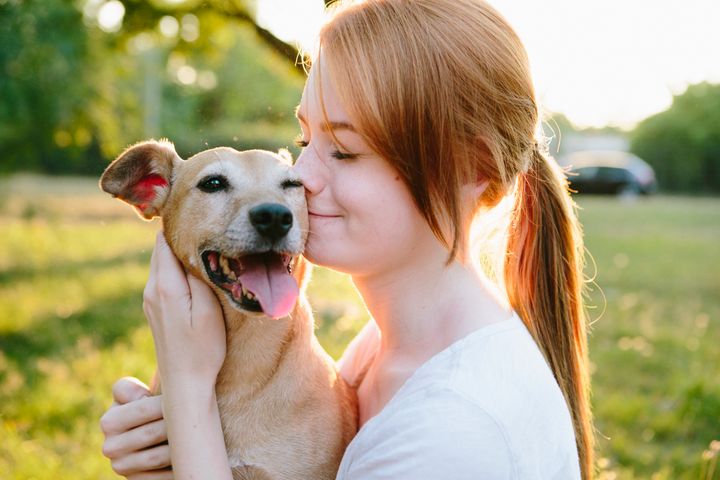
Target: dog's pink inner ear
(144, 190)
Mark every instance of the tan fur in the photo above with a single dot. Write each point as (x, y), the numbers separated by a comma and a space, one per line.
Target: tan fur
(286, 412)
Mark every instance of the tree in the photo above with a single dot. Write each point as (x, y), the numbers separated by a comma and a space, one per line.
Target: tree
(72, 95)
(42, 84)
(683, 142)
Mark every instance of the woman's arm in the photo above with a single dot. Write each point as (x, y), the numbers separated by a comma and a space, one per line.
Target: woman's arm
(197, 446)
(189, 335)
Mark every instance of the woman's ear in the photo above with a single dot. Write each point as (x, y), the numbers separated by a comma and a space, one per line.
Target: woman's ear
(480, 186)
(472, 192)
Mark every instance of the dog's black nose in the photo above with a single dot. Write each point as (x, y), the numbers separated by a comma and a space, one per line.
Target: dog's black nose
(271, 220)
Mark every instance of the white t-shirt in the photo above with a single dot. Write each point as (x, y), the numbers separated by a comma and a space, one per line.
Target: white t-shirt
(486, 407)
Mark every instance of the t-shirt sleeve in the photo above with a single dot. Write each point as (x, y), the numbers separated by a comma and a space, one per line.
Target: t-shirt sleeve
(441, 436)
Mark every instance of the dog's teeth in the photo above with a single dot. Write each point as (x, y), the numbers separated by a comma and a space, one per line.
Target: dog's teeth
(225, 266)
(232, 276)
(212, 258)
(247, 293)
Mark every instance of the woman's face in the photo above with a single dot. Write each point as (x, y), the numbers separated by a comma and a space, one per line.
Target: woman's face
(363, 219)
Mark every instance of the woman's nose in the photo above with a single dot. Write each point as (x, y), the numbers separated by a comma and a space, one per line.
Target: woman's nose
(308, 167)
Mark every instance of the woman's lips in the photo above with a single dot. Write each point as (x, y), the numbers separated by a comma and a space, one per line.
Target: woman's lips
(322, 215)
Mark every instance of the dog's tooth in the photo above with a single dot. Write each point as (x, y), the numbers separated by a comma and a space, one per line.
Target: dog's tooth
(224, 265)
(251, 296)
(232, 276)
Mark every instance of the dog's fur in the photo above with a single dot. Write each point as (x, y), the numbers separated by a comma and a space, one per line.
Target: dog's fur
(286, 412)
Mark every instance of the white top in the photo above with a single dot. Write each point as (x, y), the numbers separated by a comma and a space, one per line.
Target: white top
(486, 407)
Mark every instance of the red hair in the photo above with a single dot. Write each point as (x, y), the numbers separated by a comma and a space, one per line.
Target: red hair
(442, 90)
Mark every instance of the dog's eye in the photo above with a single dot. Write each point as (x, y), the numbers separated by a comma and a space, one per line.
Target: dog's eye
(291, 184)
(213, 183)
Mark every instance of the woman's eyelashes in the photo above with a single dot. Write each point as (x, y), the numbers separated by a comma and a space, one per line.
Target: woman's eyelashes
(299, 142)
(343, 155)
(336, 153)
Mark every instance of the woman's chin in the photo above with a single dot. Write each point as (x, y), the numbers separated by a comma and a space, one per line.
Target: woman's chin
(323, 256)
(316, 255)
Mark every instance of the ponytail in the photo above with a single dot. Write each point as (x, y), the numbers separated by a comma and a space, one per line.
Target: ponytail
(468, 114)
(544, 279)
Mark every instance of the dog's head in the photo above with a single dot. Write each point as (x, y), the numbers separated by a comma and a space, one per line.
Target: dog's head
(236, 219)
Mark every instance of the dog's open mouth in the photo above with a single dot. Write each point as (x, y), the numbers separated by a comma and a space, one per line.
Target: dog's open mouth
(258, 282)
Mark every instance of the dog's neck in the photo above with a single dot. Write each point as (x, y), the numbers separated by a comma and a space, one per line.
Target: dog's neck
(256, 346)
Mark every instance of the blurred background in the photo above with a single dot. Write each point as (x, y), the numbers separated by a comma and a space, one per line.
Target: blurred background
(632, 98)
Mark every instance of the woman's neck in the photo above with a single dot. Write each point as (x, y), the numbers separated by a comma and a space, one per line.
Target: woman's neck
(422, 307)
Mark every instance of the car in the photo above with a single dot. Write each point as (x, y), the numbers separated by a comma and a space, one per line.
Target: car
(609, 172)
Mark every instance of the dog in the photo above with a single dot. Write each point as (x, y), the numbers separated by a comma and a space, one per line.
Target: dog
(238, 220)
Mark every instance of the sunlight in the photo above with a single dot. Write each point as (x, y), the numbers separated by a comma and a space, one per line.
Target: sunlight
(110, 16)
(599, 62)
(169, 26)
(292, 21)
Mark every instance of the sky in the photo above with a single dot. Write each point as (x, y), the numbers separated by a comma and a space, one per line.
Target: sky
(599, 62)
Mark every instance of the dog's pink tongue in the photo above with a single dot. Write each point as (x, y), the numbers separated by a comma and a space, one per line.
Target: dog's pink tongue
(267, 277)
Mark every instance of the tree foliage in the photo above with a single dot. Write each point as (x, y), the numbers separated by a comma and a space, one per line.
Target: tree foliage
(73, 95)
(43, 63)
(683, 142)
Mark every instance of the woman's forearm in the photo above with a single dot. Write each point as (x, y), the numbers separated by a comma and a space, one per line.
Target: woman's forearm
(197, 445)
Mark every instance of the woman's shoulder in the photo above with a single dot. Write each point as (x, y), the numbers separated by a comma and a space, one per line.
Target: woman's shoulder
(441, 435)
(488, 402)
(356, 357)
(504, 373)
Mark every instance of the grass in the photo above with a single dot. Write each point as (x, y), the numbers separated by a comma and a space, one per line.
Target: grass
(73, 264)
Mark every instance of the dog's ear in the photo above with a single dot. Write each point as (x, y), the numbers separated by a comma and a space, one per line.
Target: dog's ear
(141, 176)
(285, 156)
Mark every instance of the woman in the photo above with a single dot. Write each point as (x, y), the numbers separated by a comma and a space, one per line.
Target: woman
(418, 117)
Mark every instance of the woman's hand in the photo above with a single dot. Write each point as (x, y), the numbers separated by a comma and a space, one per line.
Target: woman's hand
(186, 321)
(135, 433)
(189, 333)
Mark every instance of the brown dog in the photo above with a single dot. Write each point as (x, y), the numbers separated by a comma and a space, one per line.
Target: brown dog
(238, 220)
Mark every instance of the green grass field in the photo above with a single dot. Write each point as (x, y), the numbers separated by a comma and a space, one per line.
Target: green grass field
(73, 263)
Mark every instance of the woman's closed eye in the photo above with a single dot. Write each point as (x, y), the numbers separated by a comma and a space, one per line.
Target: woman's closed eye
(343, 155)
(336, 153)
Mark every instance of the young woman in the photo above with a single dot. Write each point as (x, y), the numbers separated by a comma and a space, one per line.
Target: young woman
(418, 118)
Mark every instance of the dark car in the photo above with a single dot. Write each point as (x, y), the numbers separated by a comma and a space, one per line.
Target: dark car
(609, 172)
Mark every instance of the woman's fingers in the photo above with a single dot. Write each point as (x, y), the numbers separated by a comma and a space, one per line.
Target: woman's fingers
(121, 418)
(162, 474)
(166, 269)
(142, 461)
(129, 389)
(204, 302)
(147, 435)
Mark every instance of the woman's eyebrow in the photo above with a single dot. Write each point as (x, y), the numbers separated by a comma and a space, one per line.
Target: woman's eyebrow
(332, 125)
(337, 126)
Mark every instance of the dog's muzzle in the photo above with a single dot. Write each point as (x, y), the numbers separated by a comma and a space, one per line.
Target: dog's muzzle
(256, 282)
